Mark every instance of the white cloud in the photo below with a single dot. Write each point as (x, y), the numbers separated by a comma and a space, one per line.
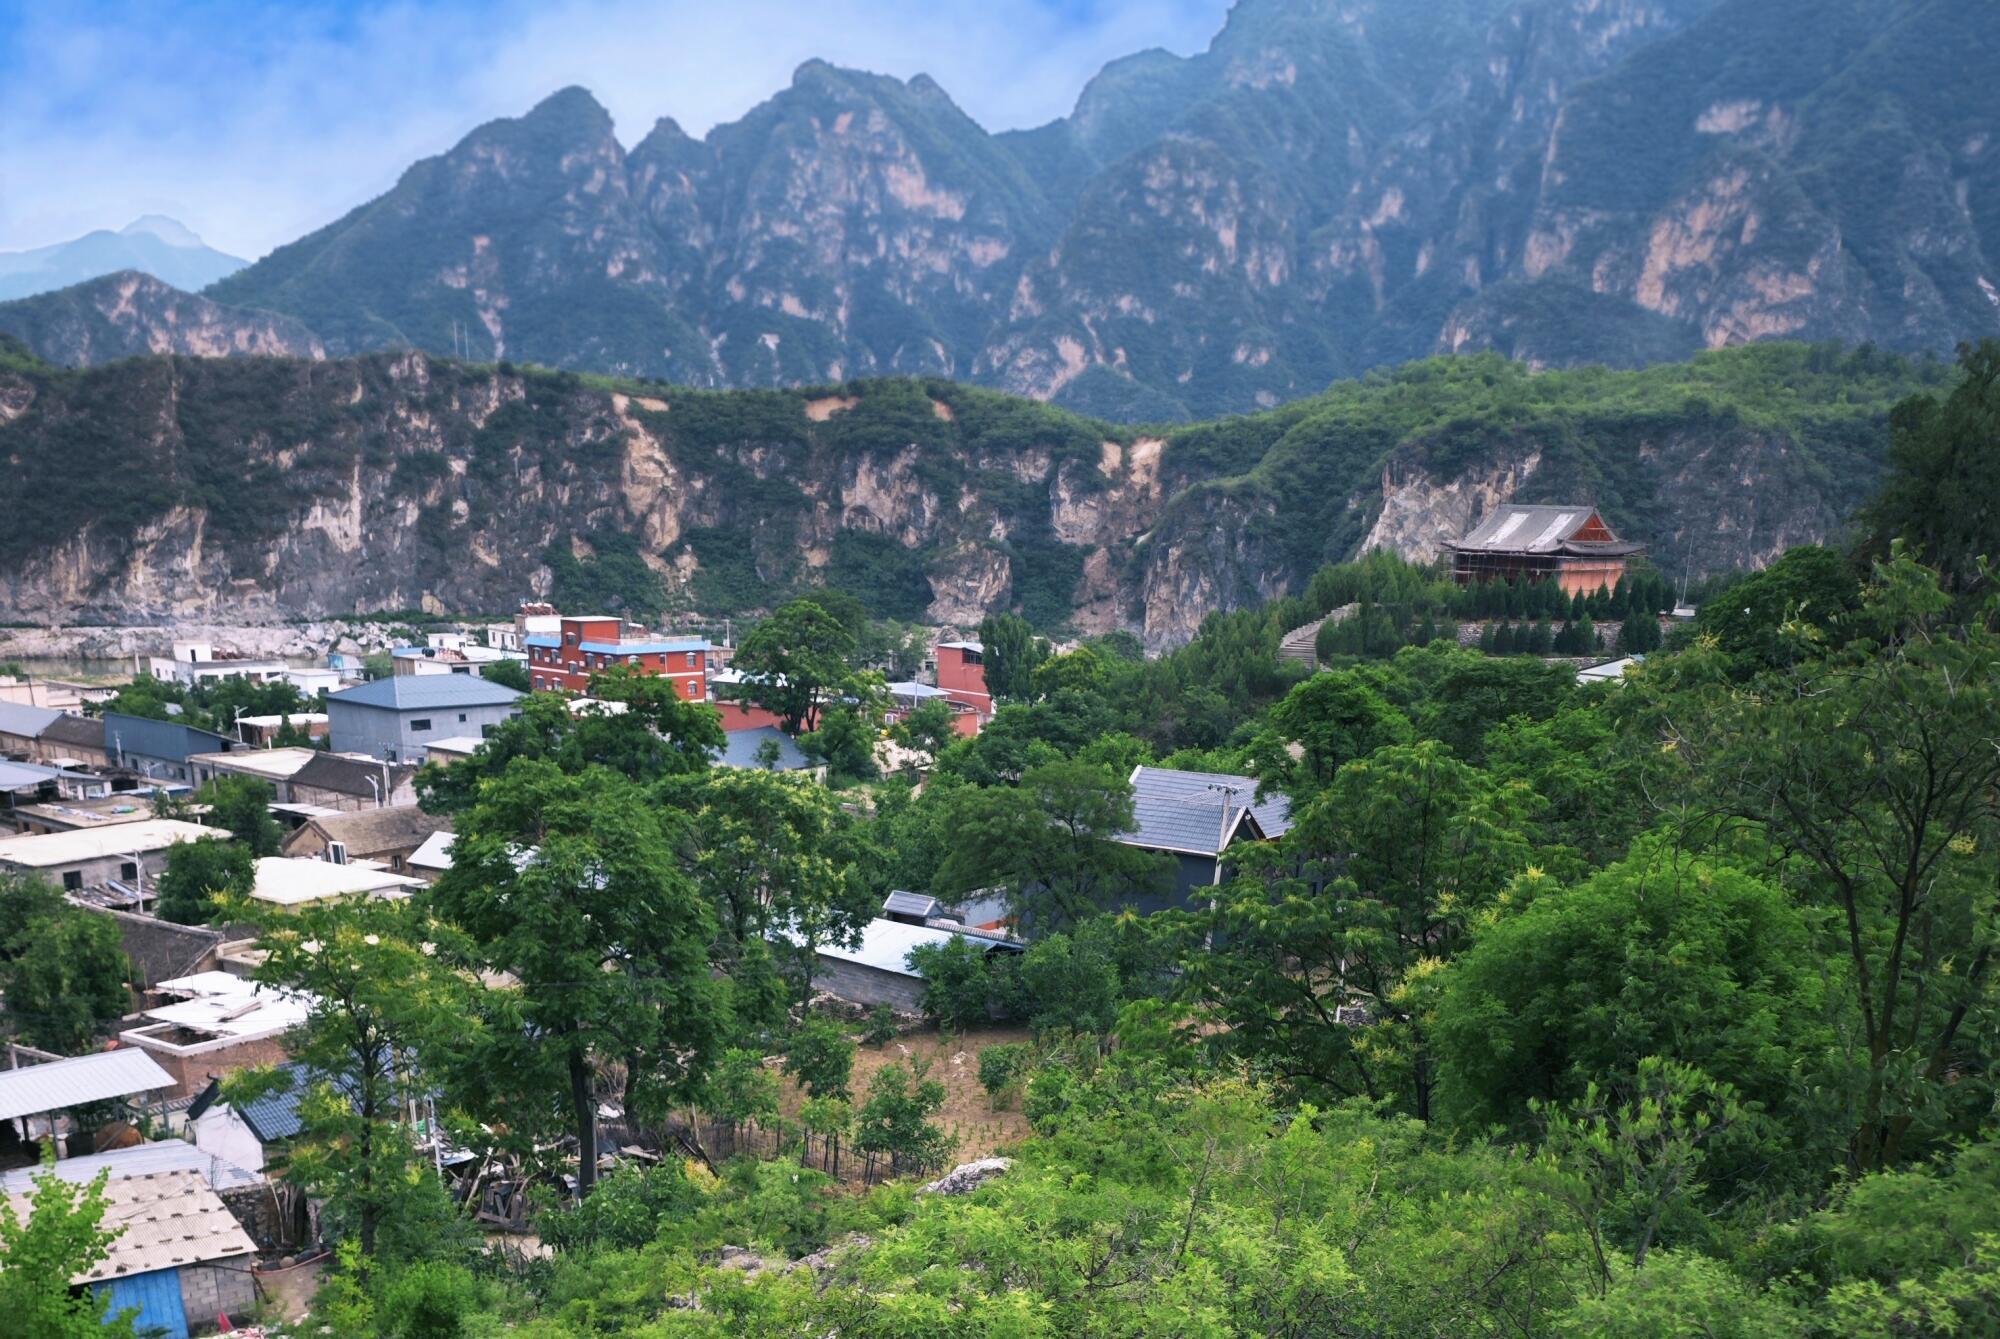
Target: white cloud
(255, 127)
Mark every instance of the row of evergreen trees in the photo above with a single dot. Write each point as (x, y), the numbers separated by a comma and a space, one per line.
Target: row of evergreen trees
(1641, 592)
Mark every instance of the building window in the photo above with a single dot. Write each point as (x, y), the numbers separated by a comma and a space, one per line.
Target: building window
(420, 725)
(690, 660)
(461, 716)
(129, 871)
(72, 879)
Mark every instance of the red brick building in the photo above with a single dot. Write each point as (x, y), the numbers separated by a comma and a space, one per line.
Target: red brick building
(590, 644)
(961, 673)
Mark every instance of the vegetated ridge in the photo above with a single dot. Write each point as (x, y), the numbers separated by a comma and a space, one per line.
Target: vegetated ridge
(251, 490)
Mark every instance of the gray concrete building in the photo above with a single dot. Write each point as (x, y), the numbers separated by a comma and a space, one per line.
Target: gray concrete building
(397, 718)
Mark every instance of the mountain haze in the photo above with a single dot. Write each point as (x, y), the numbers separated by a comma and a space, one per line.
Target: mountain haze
(161, 247)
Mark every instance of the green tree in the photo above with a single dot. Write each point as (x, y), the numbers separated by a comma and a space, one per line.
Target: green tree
(1070, 982)
(1051, 842)
(1785, 613)
(64, 978)
(1345, 920)
(820, 1055)
(1662, 954)
(1941, 496)
(1010, 652)
(658, 734)
(958, 982)
(927, 730)
(1334, 717)
(894, 1122)
(62, 1236)
(242, 805)
(570, 883)
(509, 673)
(796, 660)
(784, 866)
(1873, 769)
(381, 1009)
(845, 742)
(198, 874)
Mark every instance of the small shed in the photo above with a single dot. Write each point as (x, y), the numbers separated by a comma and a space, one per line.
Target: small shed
(181, 1254)
(877, 970)
(43, 1090)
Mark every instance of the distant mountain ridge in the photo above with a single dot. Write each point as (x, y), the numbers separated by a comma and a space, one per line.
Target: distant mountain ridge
(1334, 185)
(152, 244)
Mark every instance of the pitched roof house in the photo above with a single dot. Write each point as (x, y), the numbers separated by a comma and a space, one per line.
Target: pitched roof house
(1197, 816)
(390, 835)
(1569, 544)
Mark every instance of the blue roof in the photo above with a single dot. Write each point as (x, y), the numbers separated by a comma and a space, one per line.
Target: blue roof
(417, 692)
(1200, 813)
(645, 648)
(740, 749)
(541, 641)
(160, 739)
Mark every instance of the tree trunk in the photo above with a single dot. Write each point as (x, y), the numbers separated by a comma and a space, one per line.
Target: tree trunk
(585, 1108)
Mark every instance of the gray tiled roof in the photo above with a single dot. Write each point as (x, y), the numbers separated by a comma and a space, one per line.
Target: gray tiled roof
(740, 749)
(348, 776)
(418, 692)
(1515, 528)
(76, 731)
(1200, 813)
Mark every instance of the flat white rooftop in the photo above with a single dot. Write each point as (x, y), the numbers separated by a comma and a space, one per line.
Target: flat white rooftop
(288, 882)
(56, 849)
(272, 764)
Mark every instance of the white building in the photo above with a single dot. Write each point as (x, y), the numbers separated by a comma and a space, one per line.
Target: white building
(195, 663)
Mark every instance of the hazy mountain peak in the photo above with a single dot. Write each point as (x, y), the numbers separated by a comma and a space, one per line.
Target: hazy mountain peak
(169, 230)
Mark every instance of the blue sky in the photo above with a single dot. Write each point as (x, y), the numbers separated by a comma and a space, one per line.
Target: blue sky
(254, 124)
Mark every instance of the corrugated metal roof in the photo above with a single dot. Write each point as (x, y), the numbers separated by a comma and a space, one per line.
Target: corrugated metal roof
(1199, 813)
(417, 692)
(666, 647)
(169, 1155)
(26, 721)
(169, 740)
(885, 945)
(84, 1078)
(435, 853)
(911, 688)
(25, 776)
(911, 904)
(169, 1219)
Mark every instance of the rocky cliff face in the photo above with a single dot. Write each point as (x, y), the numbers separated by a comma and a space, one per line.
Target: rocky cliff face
(127, 314)
(256, 490)
(1334, 185)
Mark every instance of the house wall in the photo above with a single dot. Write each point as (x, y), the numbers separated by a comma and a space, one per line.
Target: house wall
(870, 986)
(193, 1065)
(221, 1133)
(392, 735)
(962, 674)
(217, 1288)
(1582, 576)
(97, 871)
(403, 791)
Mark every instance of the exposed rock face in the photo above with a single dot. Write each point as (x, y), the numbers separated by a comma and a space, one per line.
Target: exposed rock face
(126, 314)
(1334, 185)
(239, 492)
(967, 1177)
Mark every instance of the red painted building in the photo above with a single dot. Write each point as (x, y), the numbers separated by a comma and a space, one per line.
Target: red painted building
(961, 673)
(586, 646)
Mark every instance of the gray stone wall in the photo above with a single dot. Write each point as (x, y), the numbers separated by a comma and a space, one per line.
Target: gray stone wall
(210, 1290)
(867, 985)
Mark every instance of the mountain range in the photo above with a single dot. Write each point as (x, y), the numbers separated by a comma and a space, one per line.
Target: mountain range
(153, 245)
(1334, 185)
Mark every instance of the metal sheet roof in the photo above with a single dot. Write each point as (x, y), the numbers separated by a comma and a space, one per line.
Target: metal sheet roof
(911, 688)
(291, 881)
(19, 719)
(1515, 528)
(167, 1155)
(740, 749)
(1199, 813)
(885, 945)
(419, 692)
(666, 647)
(84, 1078)
(900, 903)
(169, 1219)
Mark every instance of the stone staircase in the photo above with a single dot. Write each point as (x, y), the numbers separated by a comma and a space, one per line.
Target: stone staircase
(1301, 643)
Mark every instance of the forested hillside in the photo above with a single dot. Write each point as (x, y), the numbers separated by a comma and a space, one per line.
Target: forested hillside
(1660, 1007)
(260, 489)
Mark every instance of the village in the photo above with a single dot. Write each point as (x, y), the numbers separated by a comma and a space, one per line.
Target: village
(111, 809)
